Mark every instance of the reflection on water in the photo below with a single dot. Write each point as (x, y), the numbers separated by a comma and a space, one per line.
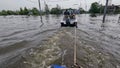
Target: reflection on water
(26, 31)
(106, 34)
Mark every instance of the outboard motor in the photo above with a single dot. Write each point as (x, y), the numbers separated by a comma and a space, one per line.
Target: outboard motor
(68, 22)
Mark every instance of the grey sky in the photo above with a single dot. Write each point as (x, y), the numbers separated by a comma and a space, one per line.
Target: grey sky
(16, 4)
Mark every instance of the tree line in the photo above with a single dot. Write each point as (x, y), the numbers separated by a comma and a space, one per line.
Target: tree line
(35, 11)
(95, 8)
(22, 11)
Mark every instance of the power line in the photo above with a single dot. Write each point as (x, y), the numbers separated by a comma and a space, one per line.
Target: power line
(31, 1)
(57, 0)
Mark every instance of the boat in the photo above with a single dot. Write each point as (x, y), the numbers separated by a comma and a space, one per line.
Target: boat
(69, 21)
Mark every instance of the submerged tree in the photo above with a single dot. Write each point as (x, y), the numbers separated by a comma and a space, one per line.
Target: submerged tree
(26, 11)
(47, 11)
(95, 8)
(56, 10)
(4, 12)
(35, 11)
(81, 10)
(21, 12)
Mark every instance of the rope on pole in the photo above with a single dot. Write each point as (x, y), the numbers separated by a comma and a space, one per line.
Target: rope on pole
(76, 65)
(75, 50)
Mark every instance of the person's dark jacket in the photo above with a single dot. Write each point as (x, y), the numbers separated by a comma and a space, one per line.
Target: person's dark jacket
(66, 13)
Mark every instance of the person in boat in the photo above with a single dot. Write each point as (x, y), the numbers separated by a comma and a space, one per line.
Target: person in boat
(72, 14)
(66, 12)
(67, 17)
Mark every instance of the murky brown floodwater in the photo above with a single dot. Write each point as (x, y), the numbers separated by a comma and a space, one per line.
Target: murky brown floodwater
(19, 33)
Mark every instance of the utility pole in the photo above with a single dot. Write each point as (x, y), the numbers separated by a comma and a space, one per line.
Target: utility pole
(40, 11)
(105, 10)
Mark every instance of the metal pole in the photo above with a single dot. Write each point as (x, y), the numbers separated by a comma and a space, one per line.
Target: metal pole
(105, 10)
(40, 11)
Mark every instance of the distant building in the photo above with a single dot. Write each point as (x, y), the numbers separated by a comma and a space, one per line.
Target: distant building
(113, 8)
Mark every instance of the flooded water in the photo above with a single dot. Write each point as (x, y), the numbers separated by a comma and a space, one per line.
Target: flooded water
(107, 37)
(19, 33)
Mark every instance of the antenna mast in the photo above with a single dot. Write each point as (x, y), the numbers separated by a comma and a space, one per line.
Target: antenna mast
(40, 11)
(109, 2)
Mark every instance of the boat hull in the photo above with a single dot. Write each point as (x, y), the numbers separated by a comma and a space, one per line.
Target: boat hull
(69, 25)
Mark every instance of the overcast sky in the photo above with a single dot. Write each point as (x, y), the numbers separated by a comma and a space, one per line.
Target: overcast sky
(16, 4)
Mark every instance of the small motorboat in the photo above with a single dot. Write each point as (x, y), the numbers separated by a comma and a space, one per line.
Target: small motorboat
(69, 21)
